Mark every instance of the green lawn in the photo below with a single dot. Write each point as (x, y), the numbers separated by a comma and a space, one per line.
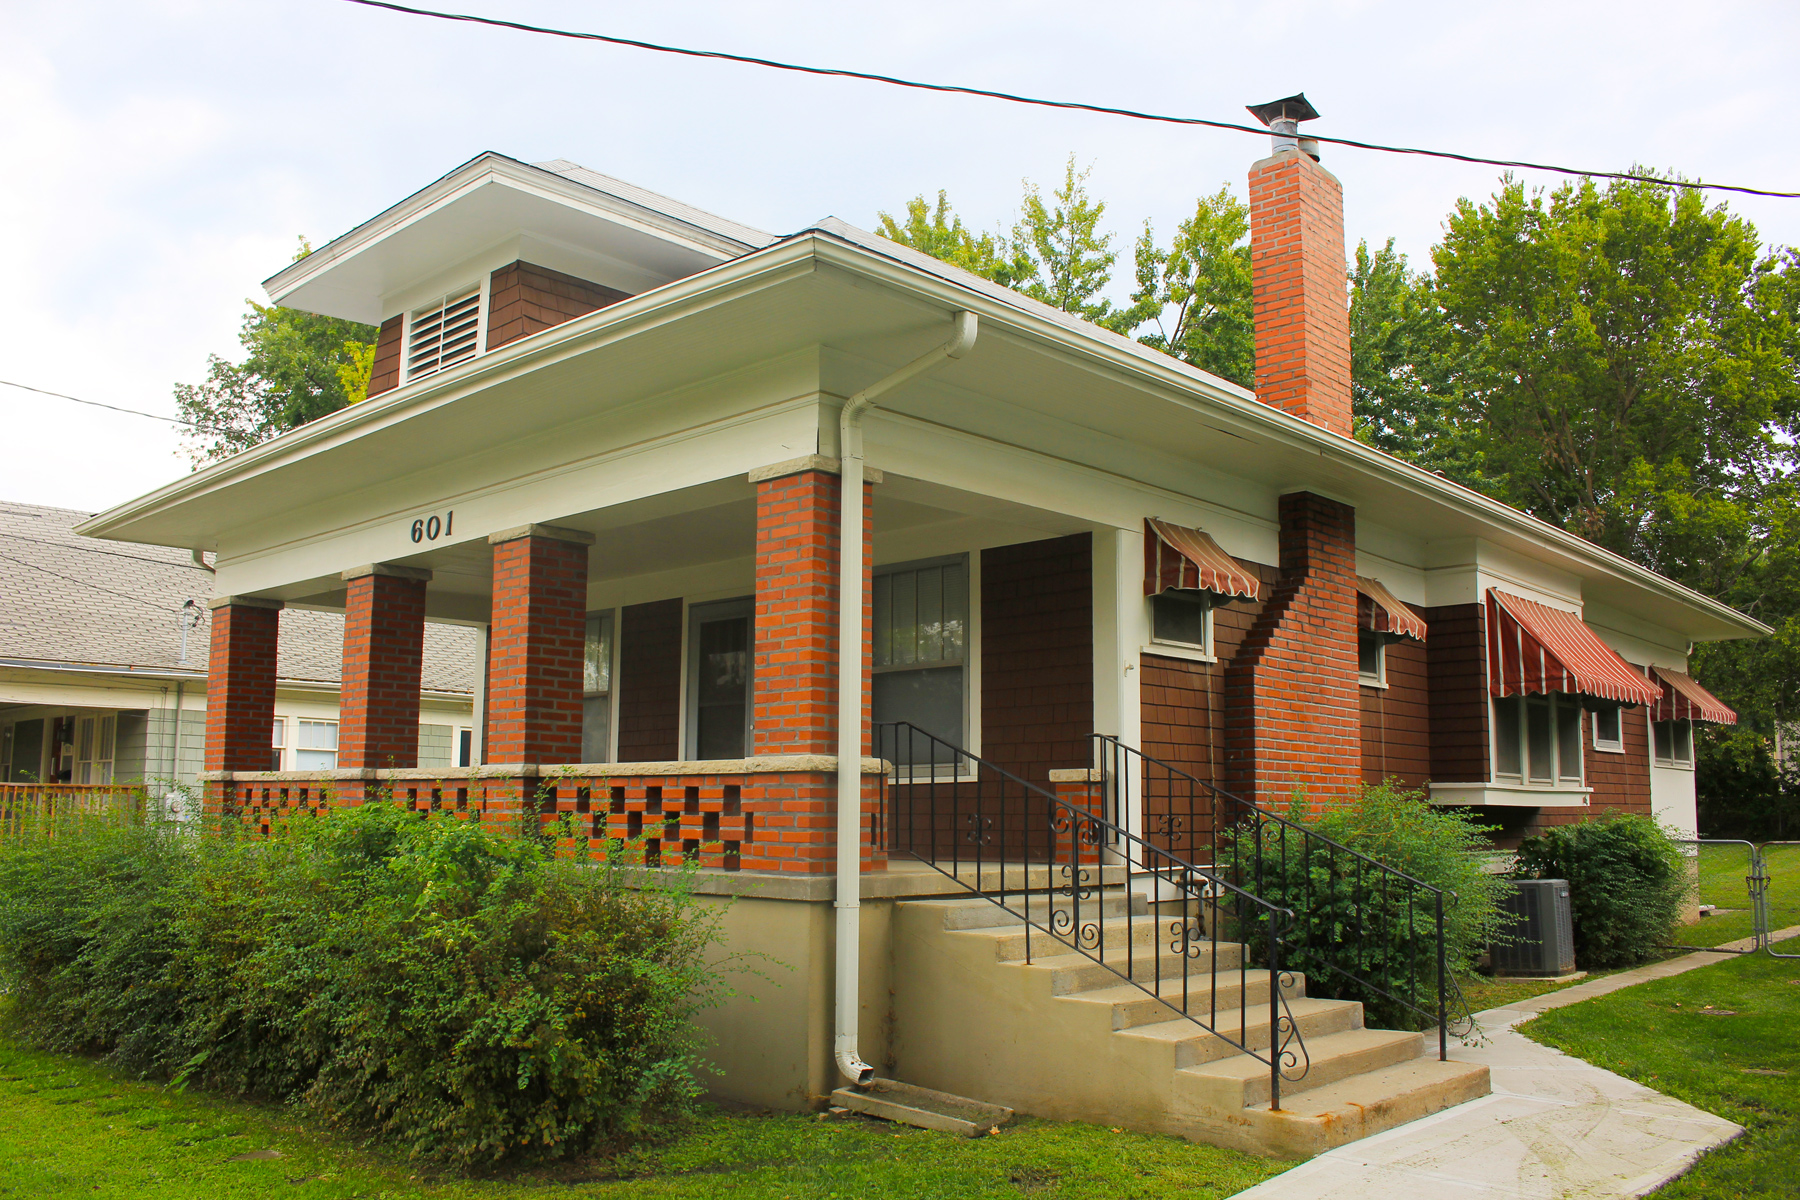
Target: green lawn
(1722, 873)
(69, 1127)
(1740, 1058)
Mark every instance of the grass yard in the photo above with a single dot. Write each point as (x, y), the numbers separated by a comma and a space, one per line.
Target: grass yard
(1738, 1058)
(70, 1127)
(1722, 873)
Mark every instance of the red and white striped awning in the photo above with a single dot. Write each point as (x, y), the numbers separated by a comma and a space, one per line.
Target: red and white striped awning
(1683, 699)
(1533, 649)
(1380, 611)
(1178, 557)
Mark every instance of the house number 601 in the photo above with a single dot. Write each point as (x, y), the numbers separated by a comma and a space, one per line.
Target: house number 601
(430, 529)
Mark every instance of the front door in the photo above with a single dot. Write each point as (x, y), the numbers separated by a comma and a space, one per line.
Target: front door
(719, 640)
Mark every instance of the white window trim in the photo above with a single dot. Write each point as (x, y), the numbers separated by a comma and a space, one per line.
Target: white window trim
(483, 287)
(1613, 747)
(288, 732)
(1173, 649)
(1523, 781)
(1379, 679)
(690, 675)
(971, 661)
(1671, 764)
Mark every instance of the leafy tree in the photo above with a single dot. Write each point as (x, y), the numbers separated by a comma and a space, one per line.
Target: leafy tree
(1072, 259)
(1197, 291)
(940, 233)
(297, 368)
(1628, 368)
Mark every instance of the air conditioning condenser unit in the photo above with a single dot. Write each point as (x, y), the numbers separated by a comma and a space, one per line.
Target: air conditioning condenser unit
(1541, 934)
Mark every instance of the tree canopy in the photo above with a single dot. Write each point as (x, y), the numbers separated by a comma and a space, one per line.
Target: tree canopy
(297, 367)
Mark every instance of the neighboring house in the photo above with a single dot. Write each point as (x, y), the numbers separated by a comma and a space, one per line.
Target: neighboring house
(102, 646)
(610, 428)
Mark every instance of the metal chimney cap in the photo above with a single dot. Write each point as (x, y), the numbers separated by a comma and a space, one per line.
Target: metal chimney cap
(1293, 108)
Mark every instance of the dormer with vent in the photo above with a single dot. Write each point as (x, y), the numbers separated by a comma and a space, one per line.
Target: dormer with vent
(497, 251)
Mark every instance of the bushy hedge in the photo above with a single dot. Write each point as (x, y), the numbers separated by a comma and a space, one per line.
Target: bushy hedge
(1627, 883)
(456, 992)
(1359, 933)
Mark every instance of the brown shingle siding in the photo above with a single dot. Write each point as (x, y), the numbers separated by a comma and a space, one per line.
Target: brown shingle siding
(1037, 656)
(1456, 667)
(1396, 720)
(650, 682)
(524, 299)
(384, 372)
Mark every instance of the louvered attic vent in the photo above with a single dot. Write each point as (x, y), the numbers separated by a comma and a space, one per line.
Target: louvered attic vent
(443, 333)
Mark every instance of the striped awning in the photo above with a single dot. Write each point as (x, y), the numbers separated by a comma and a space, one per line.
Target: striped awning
(1380, 611)
(1683, 699)
(1178, 557)
(1533, 649)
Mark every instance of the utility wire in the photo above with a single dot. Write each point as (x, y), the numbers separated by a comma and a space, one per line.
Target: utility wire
(84, 583)
(184, 565)
(1068, 104)
(115, 408)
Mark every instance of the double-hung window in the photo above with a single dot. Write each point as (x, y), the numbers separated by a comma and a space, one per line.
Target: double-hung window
(1674, 743)
(1609, 728)
(277, 743)
(94, 750)
(921, 650)
(316, 746)
(1537, 740)
(596, 689)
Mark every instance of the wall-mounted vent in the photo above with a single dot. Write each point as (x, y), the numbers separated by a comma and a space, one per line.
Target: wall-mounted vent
(443, 333)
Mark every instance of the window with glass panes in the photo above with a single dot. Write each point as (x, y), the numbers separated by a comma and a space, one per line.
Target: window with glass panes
(920, 655)
(596, 689)
(1537, 740)
(1609, 732)
(1179, 617)
(315, 745)
(1674, 743)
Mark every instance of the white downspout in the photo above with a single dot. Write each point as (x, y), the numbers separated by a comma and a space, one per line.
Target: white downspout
(850, 710)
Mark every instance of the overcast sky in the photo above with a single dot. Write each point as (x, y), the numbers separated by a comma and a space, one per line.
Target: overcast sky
(162, 157)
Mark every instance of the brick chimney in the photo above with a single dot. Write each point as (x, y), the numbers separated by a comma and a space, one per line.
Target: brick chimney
(1297, 264)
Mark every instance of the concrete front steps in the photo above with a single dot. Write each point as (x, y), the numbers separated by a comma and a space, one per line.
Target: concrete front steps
(1065, 1037)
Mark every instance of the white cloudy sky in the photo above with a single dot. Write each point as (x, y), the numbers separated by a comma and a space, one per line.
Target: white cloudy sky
(161, 156)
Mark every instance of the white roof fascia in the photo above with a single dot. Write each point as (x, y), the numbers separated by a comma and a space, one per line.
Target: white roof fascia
(487, 168)
(1173, 379)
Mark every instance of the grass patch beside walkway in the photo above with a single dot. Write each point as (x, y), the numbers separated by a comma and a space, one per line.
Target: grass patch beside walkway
(1721, 1038)
(72, 1127)
(1722, 872)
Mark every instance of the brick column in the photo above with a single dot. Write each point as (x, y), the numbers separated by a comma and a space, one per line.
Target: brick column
(1302, 306)
(1293, 716)
(535, 645)
(384, 644)
(794, 685)
(240, 687)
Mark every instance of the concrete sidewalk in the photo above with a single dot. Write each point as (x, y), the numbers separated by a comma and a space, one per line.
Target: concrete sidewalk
(1554, 1128)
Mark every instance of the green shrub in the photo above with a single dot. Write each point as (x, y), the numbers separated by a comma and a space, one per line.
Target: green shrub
(1627, 881)
(1360, 933)
(462, 994)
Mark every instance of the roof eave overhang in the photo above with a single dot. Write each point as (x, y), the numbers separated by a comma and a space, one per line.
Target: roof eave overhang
(485, 168)
(1171, 379)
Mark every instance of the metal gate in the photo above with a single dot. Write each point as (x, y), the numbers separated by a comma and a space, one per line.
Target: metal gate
(1753, 910)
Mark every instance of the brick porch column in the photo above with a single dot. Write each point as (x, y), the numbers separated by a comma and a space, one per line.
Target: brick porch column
(794, 681)
(240, 687)
(535, 647)
(384, 645)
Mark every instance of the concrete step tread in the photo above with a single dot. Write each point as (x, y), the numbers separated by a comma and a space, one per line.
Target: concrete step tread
(1199, 987)
(1382, 1086)
(1181, 1029)
(1318, 1050)
(1199, 967)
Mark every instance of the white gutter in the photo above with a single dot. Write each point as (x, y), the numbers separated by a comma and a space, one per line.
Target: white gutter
(850, 696)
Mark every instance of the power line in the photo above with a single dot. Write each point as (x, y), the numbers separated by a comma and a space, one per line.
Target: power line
(136, 412)
(159, 562)
(1067, 104)
(84, 583)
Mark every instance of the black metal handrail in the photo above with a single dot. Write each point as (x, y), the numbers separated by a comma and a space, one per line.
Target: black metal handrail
(990, 831)
(1360, 917)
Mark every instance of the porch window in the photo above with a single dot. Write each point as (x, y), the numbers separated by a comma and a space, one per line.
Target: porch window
(719, 680)
(1537, 740)
(1371, 658)
(920, 655)
(94, 750)
(1182, 617)
(277, 740)
(596, 689)
(1674, 743)
(316, 746)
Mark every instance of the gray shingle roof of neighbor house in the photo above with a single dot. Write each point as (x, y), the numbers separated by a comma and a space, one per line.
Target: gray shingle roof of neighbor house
(67, 600)
(657, 202)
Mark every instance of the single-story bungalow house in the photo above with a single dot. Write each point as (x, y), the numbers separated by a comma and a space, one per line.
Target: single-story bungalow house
(1098, 612)
(103, 657)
